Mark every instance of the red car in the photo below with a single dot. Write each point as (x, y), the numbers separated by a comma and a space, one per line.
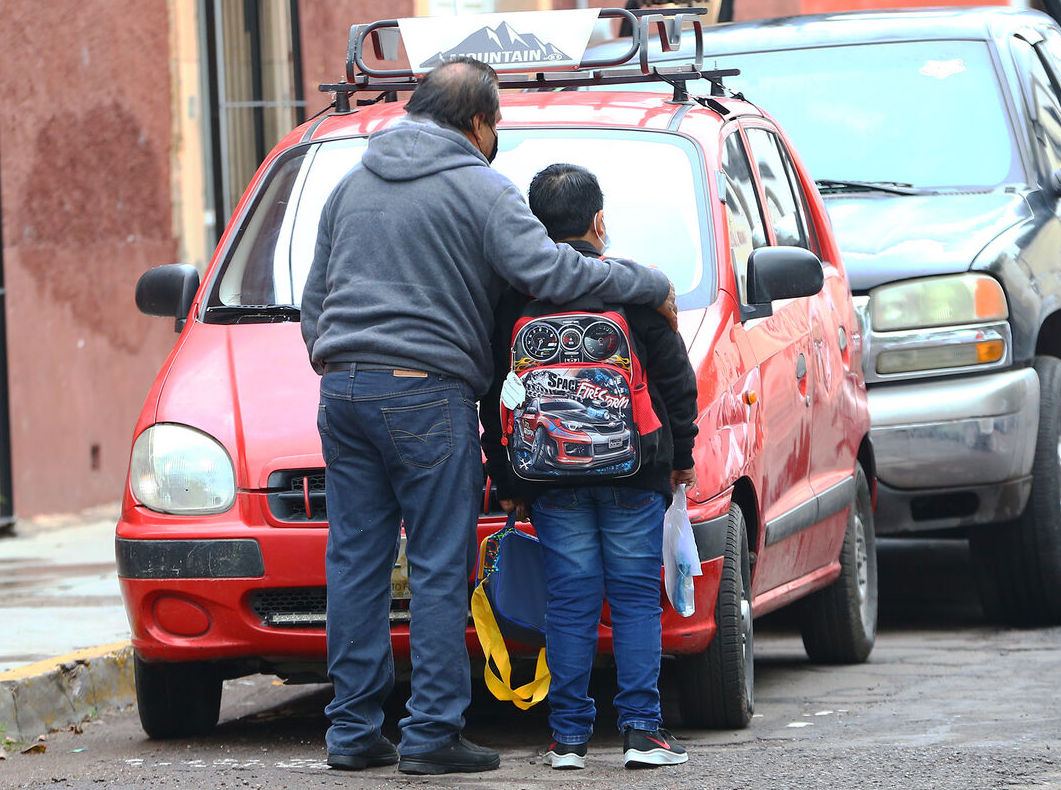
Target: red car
(221, 541)
(560, 433)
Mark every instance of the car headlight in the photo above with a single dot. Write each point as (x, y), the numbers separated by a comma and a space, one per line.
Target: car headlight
(177, 469)
(572, 426)
(937, 301)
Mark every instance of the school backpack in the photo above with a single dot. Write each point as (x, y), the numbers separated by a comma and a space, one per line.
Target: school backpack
(586, 408)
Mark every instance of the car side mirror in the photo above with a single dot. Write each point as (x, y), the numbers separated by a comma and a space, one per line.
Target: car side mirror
(168, 291)
(780, 273)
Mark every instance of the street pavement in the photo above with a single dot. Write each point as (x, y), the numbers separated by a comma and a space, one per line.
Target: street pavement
(63, 631)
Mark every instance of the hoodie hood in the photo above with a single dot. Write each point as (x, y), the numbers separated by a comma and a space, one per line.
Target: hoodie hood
(888, 238)
(413, 149)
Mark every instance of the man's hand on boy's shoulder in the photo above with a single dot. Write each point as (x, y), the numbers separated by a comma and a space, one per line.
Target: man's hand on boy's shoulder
(669, 309)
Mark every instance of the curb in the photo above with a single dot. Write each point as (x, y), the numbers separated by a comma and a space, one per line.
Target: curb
(60, 692)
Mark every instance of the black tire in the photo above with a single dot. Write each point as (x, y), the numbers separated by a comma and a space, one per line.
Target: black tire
(839, 623)
(1017, 566)
(718, 684)
(177, 700)
(540, 448)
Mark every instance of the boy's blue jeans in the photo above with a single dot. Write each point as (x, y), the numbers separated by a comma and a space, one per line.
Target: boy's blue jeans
(398, 448)
(597, 542)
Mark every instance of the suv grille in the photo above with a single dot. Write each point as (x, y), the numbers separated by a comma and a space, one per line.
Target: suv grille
(297, 496)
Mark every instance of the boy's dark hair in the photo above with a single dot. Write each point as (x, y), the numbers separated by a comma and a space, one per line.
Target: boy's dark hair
(455, 92)
(565, 198)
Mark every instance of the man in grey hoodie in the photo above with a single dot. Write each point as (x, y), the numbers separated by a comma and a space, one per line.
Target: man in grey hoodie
(414, 248)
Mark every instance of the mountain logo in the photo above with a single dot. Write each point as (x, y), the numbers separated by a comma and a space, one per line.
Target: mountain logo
(500, 46)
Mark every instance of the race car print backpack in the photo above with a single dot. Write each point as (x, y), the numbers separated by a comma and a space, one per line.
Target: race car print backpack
(583, 407)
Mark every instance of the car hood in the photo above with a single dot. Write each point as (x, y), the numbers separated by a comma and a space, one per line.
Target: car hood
(251, 387)
(884, 238)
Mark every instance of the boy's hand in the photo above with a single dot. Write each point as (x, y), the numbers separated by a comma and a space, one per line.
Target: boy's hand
(517, 505)
(680, 476)
(669, 309)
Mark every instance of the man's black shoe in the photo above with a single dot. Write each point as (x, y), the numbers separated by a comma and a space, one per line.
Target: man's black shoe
(380, 752)
(459, 756)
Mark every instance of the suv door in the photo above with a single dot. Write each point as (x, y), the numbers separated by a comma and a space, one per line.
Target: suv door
(781, 345)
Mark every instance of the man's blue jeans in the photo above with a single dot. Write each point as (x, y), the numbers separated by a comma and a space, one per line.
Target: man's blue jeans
(597, 542)
(398, 448)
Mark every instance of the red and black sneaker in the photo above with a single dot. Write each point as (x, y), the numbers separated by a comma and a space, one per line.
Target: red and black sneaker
(649, 748)
(566, 755)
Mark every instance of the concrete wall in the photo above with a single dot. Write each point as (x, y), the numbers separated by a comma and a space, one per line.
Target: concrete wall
(84, 160)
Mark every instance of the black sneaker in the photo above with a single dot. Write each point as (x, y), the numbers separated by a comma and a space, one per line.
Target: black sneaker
(380, 752)
(648, 748)
(566, 755)
(459, 756)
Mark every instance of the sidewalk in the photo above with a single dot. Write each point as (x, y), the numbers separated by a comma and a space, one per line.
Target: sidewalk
(63, 632)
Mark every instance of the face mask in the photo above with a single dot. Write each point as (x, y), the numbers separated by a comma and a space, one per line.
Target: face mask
(493, 152)
(605, 240)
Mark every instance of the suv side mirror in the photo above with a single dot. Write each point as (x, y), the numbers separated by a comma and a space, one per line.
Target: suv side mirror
(780, 273)
(168, 291)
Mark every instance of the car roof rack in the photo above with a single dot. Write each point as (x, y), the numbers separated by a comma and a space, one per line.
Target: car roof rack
(524, 59)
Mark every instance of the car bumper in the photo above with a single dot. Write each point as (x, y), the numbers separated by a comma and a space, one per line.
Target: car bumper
(190, 597)
(955, 452)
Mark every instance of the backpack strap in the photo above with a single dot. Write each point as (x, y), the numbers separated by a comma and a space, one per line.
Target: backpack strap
(498, 670)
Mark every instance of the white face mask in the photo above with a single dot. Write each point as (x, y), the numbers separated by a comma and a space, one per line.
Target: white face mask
(605, 239)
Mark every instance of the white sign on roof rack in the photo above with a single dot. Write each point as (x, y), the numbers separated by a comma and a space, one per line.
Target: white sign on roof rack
(520, 41)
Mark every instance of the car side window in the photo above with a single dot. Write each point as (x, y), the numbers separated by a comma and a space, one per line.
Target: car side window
(743, 211)
(1046, 104)
(783, 211)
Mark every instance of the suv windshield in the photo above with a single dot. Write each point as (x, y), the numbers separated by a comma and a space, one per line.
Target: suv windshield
(653, 191)
(924, 113)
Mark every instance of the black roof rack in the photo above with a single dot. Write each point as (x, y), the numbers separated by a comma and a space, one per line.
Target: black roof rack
(384, 36)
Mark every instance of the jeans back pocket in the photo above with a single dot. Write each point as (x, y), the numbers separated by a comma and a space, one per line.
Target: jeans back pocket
(422, 434)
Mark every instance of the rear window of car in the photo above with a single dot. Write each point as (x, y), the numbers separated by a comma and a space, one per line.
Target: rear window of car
(926, 113)
(654, 197)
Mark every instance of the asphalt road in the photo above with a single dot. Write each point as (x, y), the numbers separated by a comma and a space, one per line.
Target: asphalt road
(946, 701)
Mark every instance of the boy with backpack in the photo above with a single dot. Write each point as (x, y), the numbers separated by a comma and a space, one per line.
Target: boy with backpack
(569, 434)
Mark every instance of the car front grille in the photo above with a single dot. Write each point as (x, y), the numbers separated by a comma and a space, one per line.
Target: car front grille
(305, 607)
(297, 496)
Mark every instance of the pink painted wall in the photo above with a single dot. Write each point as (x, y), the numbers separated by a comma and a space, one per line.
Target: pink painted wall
(84, 162)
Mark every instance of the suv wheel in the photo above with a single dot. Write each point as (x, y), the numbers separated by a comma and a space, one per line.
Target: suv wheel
(839, 623)
(1018, 565)
(177, 700)
(717, 684)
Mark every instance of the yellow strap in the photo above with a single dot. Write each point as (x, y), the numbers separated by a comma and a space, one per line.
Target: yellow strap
(500, 681)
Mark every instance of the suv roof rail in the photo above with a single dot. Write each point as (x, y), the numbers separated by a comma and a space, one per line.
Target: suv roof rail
(523, 60)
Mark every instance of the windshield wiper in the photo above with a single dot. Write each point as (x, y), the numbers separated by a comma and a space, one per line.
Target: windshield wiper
(891, 187)
(252, 314)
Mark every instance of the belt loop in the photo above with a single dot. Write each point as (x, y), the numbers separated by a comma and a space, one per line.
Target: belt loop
(353, 369)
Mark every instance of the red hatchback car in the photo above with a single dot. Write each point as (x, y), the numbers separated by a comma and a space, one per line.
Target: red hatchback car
(222, 535)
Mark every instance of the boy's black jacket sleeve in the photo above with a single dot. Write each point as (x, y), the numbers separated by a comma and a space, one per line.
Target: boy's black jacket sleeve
(670, 378)
(509, 309)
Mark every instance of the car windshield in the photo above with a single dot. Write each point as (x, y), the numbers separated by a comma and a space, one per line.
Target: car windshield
(561, 405)
(925, 113)
(654, 197)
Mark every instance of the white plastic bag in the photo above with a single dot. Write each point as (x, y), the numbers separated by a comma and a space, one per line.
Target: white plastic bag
(681, 562)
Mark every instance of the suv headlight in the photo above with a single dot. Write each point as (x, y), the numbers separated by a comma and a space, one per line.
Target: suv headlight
(177, 469)
(938, 324)
(937, 301)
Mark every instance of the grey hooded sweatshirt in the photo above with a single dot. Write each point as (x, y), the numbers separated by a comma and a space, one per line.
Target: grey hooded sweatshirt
(414, 248)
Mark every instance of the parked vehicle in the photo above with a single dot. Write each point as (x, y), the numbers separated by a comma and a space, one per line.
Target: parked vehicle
(935, 139)
(221, 540)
